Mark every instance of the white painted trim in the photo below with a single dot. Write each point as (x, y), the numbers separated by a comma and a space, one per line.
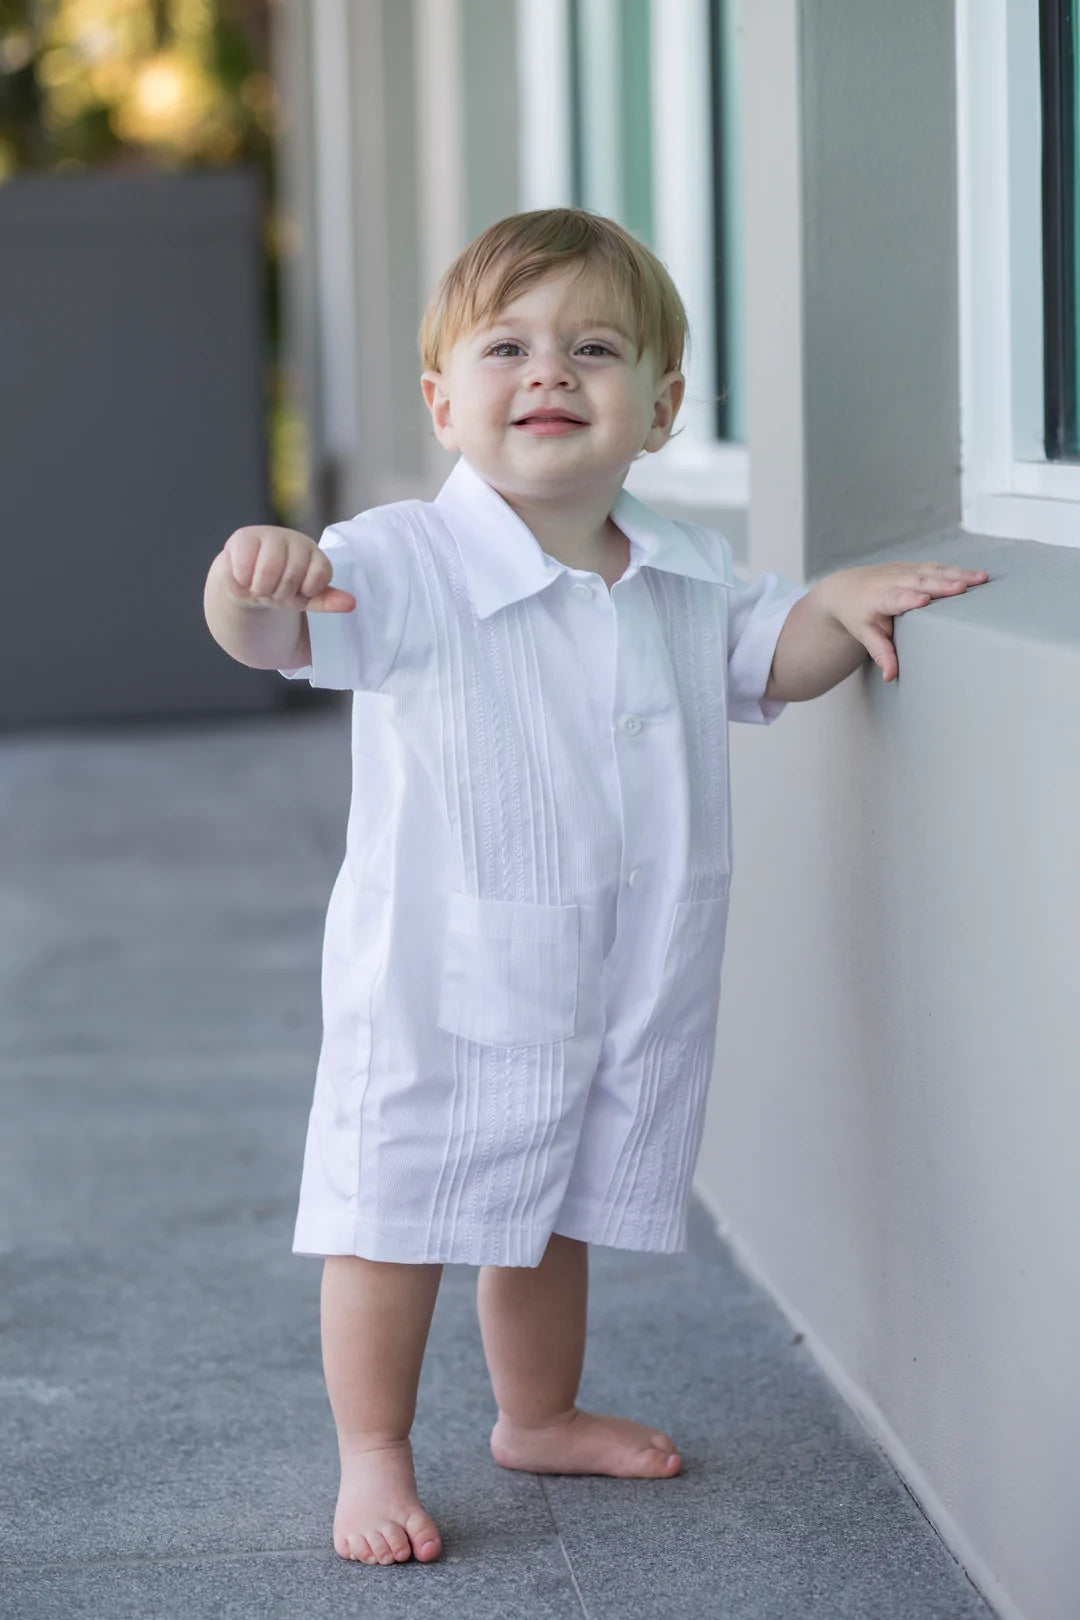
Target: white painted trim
(440, 137)
(955, 1538)
(334, 212)
(1024, 517)
(1009, 487)
(982, 141)
(545, 142)
(1025, 229)
(680, 92)
(773, 238)
(1049, 480)
(440, 156)
(601, 110)
(693, 474)
(731, 106)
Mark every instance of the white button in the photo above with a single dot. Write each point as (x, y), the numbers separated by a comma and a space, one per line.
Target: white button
(630, 724)
(633, 877)
(582, 590)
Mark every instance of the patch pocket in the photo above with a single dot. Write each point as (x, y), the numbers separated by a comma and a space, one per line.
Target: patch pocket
(509, 972)
(689, 991)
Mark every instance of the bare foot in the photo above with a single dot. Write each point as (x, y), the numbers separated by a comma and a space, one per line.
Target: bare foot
(586, 1443)
(379, 1519)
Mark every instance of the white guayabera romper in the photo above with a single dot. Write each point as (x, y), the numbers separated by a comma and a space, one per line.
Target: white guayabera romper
(521, 969)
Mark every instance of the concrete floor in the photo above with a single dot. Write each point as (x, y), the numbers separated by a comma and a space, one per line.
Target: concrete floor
(168, 1448)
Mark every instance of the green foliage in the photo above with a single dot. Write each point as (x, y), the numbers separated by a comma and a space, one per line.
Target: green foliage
(174, 83)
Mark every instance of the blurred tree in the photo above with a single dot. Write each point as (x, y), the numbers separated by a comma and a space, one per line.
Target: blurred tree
(176, 84)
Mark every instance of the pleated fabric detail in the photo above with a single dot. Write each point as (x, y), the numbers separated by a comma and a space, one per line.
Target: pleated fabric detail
(539, 839)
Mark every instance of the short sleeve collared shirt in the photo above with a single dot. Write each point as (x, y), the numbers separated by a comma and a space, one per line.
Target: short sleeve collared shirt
(522, 954)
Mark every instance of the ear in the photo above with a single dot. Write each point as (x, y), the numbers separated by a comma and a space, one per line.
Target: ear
(669, 396)
(438, 403)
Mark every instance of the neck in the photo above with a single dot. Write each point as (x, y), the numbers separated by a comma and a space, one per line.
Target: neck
(578, 532)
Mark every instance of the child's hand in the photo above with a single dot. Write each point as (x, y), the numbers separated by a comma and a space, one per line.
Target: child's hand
(867, 600)
(281, 568)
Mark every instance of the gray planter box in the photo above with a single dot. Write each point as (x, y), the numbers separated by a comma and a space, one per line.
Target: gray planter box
(131, 438)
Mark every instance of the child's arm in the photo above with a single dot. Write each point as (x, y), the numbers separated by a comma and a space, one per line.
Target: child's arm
(829, 631)
(263, 568)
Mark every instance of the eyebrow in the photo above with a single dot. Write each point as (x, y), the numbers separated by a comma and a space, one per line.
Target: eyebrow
(592, 322)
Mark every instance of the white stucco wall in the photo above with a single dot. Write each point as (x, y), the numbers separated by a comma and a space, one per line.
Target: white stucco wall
(893, 1129)
(892, 1137)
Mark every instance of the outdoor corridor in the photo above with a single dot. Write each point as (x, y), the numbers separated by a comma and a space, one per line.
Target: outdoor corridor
(168, 1447)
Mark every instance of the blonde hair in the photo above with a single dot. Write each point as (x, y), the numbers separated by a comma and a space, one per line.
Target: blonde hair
(514, 253)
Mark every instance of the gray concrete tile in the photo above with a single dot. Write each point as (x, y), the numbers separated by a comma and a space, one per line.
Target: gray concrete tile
(124, 1149)
(785, 1506)
(168, 1445)
(168, 1402)
(116, 958)
(486, 1579)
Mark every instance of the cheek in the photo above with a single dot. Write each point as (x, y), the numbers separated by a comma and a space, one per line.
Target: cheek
(488, 399)
(624, 401)
(632, 412)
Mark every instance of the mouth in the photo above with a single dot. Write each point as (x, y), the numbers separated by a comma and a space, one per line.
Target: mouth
(538, 417)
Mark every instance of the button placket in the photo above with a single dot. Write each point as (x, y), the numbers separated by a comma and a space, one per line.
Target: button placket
(640, 683)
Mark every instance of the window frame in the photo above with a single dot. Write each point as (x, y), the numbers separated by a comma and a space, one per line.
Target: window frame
(1009, 487)
(695, 468)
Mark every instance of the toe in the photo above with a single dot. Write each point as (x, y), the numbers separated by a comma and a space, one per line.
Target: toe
(426, 1541)
(382, 1552)
(657, 1463)
(397, 1541)
(357, 1548)
(663, 1442)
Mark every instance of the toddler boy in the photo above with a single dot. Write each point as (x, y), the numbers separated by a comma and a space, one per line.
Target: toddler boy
(522, 957)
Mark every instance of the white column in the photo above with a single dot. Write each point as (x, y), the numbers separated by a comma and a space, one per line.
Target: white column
(773, 248)
(546, 113)
(682, 207)
(440, 144)
(335, 257)
(730, 93)
(601, 125)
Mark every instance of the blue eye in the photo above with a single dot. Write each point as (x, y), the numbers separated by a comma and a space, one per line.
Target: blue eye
(500, 350)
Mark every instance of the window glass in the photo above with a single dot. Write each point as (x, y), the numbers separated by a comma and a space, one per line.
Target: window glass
(609, 42)
(1061, 260)
(636, 143)
(613, 91)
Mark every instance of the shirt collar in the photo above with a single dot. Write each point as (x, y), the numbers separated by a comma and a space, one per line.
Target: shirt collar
(503, 559)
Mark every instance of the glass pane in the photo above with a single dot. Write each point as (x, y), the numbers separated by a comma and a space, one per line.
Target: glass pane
(1061, 258)
(610, 76)
(611, 92)
(1070, 221)
(636, 121)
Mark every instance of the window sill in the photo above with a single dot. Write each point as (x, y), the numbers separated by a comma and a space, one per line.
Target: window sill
(715, 475)
(1042, 505)
(1033, 592)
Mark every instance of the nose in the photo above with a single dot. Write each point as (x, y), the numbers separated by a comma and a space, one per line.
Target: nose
(549, 368)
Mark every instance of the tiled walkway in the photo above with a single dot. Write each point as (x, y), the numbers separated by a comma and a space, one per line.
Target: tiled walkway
(167, 1446)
